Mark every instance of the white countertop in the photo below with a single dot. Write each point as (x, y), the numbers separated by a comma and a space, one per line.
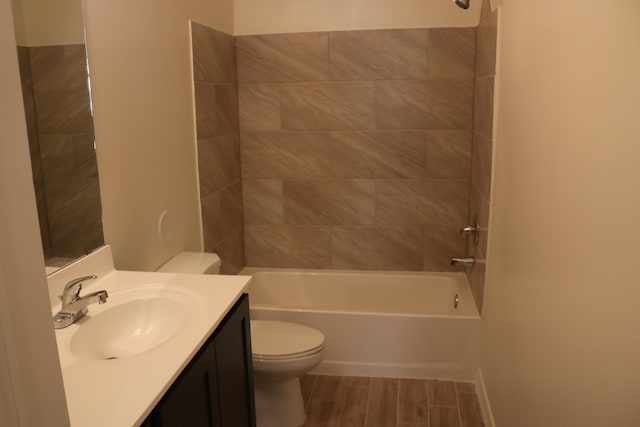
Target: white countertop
(122, 392)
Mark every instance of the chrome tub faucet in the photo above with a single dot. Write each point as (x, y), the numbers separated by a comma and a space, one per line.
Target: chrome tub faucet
(74, 307)
(465, 262)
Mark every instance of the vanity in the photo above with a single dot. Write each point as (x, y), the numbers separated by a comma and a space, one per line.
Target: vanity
(164, 350)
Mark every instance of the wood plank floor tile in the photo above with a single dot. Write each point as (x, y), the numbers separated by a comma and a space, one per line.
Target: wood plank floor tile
(383, 403)
(412, 402)
(351, 410)
(442, 393)
(440, 416)
(470, 412)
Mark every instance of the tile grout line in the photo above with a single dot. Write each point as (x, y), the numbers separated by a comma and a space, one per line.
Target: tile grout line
(458, 404)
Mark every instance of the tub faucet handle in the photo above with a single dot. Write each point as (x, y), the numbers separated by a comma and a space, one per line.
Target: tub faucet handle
(474, 230)
(465, 262)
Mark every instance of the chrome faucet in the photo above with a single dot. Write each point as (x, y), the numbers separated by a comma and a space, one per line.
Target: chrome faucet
(465, 262)
(74, 307)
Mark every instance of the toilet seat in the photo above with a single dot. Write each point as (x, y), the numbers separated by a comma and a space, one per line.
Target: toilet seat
(276, 340)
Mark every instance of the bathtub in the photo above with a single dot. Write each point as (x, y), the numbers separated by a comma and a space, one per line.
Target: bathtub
(400, 325)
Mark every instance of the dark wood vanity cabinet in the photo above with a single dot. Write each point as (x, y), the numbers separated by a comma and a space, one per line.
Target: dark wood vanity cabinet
(216, 388)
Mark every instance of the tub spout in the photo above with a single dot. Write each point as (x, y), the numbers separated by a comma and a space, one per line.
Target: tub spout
(465, 262)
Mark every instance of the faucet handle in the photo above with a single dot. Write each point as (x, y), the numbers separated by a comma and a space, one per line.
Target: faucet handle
(474, 230)
(69, 287)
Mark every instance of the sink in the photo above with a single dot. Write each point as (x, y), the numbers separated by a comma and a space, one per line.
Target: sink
(133, 321)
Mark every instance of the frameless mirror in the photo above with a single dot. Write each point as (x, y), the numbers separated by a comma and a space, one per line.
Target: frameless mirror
(57, 102)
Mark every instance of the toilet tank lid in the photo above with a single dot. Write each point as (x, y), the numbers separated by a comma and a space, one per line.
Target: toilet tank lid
(192, 262)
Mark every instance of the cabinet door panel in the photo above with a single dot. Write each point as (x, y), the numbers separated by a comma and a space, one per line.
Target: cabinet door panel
(234, 368)
(193, 400)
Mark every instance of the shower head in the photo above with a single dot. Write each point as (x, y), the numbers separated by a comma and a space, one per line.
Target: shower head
(464, 4)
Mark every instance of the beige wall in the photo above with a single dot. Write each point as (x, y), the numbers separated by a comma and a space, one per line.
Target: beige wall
(561, 313)
(287, 16)
(43, 22)
(142, 85)
(31, 387)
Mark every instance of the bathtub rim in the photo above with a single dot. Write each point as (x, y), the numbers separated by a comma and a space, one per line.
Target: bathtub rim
(458, 276)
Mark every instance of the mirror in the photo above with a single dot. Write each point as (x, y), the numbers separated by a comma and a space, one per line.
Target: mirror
(56, 92)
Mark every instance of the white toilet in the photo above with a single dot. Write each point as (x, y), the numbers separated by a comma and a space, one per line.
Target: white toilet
(282, 352)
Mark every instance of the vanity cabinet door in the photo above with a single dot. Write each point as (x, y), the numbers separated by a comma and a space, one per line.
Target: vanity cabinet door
(234, 368)
(193, 399)
(216, 388)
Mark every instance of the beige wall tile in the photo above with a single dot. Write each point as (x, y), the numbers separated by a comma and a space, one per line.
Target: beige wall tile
(226, 109)
(63, 112)
(211, 211)
(231, 252)
(440, 245)
(218, 163)
(259, 107)
(214, 55)
(378, 154)
(329, 202)
(476, 277)
(422, 202)
(283, 57)
(448, 154)
(451, 52)
(377, 248)
(288, 246)
(205, 100)
(424, 104)
(483, 107)
(263, 201)
(486, 38)
(59, 68)
(379, 54)
(481, 164)
(328, 106)
(231, 208)
(285, 155)
(479, 206)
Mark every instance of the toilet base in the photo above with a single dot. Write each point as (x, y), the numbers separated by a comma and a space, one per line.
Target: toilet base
(279, 403)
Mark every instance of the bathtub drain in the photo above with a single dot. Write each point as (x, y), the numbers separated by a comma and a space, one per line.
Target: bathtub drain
(456, 301)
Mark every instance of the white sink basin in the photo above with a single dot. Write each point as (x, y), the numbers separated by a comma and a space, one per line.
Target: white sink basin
(133, 321)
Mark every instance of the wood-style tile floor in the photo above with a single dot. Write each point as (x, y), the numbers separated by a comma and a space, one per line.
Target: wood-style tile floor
(389, 402)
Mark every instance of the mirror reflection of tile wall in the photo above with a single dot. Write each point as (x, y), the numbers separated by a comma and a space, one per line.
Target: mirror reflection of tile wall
(61, 140)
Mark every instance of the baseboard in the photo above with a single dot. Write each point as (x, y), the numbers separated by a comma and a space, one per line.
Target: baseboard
(483, 398)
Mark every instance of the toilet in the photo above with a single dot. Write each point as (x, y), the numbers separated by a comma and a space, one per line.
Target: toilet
(282, 353)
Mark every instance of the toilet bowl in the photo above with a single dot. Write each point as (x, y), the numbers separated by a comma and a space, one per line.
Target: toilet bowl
(282, 352)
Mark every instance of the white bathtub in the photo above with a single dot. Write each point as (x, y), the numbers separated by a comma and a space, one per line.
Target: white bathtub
(401, 325)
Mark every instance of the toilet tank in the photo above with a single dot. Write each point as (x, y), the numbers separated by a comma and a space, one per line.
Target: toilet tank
(192, 262)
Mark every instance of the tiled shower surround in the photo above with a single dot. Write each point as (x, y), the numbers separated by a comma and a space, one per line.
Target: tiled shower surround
(356, 147)
(360, 149)
(486, 36)
(61, 140)
(214, 69)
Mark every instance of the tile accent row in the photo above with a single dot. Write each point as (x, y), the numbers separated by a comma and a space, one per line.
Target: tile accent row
(357, 105)
(357, 55)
